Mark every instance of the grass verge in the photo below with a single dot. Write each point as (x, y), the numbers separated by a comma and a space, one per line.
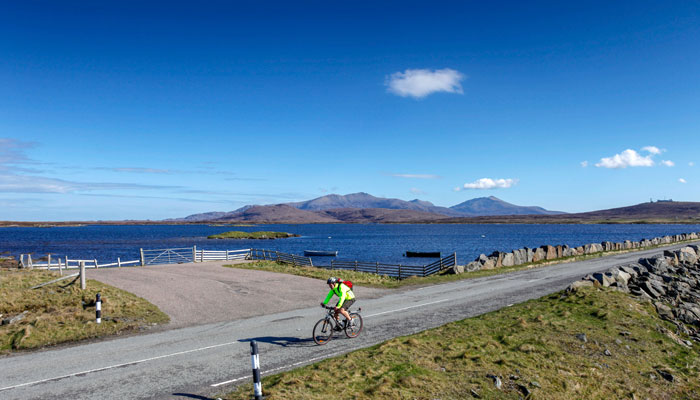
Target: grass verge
(531, 347)
(57, 314)
(382, 281)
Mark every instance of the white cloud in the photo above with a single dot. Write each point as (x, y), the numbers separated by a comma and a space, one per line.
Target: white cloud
(681, 180)
(417, 191)
(416, 176)
(691, 164)
(488, 183)
(419, 83)
(628, 158)
(652, 149)
(584, 164)
(668, 163)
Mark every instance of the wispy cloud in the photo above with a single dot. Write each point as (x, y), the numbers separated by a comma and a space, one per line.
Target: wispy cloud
(681, 180)
(628, 158)
(668, 163)
(137, 170)
(488, 183)
(652, 150)
(584, 164)
(418, 83)
(416, 176)
(417, 191)
(12, 151)
(11, 183)
(691, 164)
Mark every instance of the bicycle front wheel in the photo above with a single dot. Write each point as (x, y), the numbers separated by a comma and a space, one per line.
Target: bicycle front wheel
(354, 328)
(323, 331)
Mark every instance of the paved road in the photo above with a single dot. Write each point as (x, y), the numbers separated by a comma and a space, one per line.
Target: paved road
(203, 293)
(208, 359)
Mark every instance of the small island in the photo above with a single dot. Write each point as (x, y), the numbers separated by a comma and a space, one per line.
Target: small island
(252, 235)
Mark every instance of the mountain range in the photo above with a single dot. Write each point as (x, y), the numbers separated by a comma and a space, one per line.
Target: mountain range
(363, 207)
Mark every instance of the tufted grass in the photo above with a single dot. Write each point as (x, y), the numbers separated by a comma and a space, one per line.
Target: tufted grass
(532, 344)
(58, 314)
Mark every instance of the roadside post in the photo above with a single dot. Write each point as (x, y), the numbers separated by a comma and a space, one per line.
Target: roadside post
(257, 386)
(98, 309)
(143, 261)
(82, 275)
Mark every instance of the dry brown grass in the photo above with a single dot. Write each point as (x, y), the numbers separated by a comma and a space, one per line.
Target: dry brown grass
(531, 345)
(58, 313)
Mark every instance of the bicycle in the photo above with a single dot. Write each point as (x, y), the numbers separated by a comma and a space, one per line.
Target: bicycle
(326, 327)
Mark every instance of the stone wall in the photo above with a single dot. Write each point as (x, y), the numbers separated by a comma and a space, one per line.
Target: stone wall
(526, 255)
(670, 281)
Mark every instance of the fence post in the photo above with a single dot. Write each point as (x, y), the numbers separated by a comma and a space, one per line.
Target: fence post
(60, 271)
(82, 275)
(455, 254)
(355, 265)
(29, 261)
(201, 255)
(377, 268)
(48, 262)
(96, 266)
(226, 255)
(277, 254)
(194, 254)
(119, 262)
(311, 262)
(255, 359)
(21, 260)
(98, 309)
(143, 260)
(399, 271)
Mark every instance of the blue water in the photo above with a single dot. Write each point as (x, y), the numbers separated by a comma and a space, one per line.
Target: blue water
(383, 243)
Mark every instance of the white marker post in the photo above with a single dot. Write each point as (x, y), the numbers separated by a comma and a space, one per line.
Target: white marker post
(98, 309)
(257, 386)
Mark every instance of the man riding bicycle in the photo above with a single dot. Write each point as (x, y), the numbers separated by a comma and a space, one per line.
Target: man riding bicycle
(345, 294)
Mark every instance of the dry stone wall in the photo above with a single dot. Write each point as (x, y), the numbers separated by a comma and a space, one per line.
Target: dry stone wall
(526, 255)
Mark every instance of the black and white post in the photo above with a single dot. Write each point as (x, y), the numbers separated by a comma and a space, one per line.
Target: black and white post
(98, 308)
(257, 386)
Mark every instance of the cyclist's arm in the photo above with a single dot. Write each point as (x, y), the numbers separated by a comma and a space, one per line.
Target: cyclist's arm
(330, 294)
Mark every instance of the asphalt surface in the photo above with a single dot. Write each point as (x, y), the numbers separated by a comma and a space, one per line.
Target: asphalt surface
(201, 361)
(202, 293)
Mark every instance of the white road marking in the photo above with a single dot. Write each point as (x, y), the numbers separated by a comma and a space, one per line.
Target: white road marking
(407, 308)
(204, 348)
(269, 371)
(321, 357)
(118, 365)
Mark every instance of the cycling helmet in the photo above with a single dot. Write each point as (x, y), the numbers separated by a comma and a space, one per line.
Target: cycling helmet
(332, 280)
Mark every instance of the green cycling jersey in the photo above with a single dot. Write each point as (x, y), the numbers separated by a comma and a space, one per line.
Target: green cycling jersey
(342, 291)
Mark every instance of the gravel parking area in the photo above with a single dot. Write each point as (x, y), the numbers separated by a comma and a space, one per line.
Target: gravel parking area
(201, 293)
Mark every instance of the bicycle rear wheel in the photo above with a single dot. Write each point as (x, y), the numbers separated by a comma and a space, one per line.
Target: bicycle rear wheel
(354, 328)
(323, 331)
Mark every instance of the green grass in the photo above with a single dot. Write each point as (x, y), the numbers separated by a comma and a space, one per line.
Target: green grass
(251, 235)
(58, 315)
(382, 281)
(531, 344)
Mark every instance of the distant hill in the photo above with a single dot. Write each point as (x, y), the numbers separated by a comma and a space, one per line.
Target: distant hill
(657, 212)
(381, 215)
(362, 208)
(494, 206)
(365, 200)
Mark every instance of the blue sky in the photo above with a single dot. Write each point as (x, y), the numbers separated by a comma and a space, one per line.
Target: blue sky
(151, 110)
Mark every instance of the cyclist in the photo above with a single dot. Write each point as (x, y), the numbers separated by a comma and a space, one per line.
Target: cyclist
(345, 294)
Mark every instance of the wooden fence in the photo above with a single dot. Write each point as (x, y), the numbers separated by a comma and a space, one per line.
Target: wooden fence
(271, 255)
(192, 254)
(396, 270)
(66, 263)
